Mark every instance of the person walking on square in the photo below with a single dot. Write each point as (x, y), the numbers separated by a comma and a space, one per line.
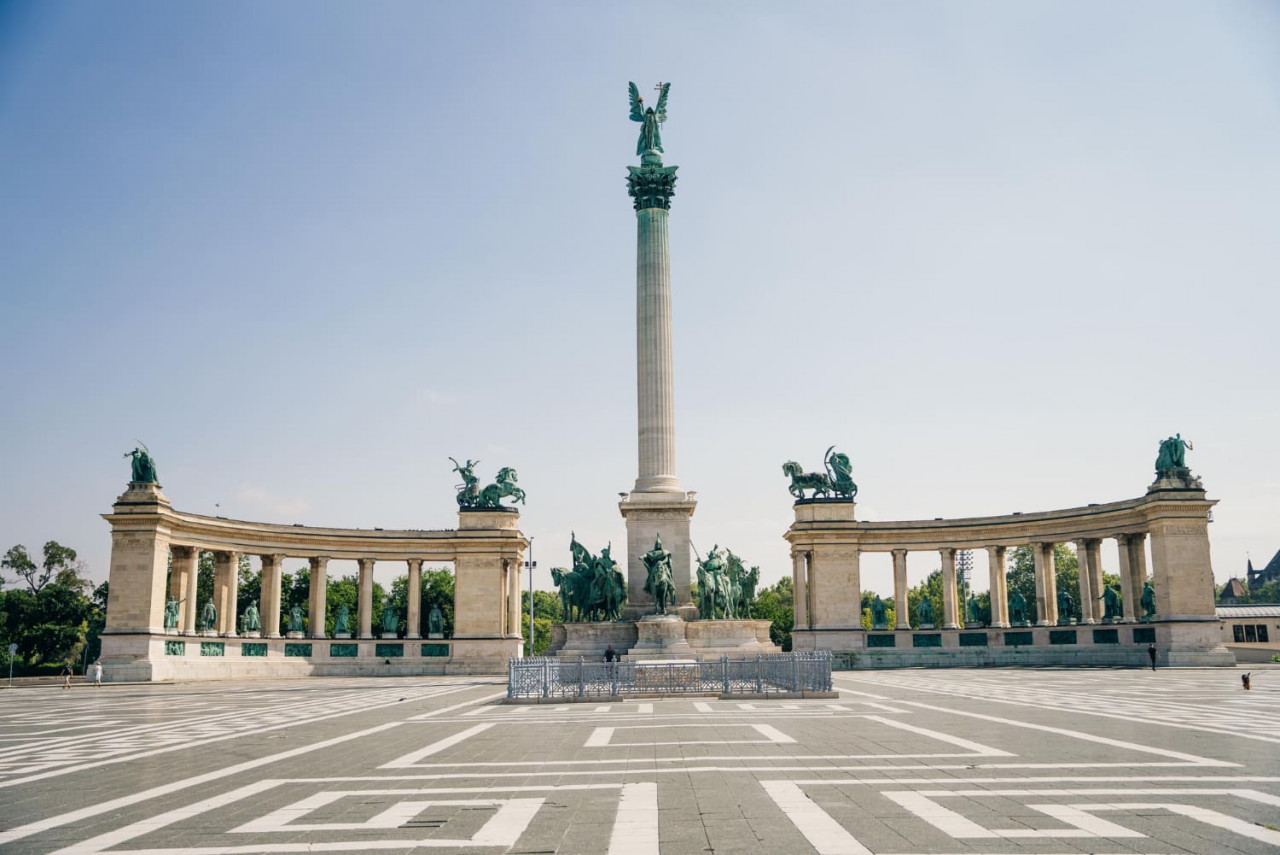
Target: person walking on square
(1151, 652)
(97, 673)
(66, 676)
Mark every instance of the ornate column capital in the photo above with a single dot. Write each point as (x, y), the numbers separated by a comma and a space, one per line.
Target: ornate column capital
(651, 185)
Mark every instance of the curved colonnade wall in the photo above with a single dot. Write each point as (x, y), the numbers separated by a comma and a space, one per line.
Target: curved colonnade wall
(827, 542)
(487, 551)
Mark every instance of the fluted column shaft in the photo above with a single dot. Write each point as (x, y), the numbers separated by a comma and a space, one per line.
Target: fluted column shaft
(950, 614)
(413, 620)
(269, 581)
(366, 598)
(999, 586)
(1122, 550)
(1137, 575)
(182, 586)
(226, 586)
(1046, 585)
(655, 379)
(1093, 551)
(319, 605)
(513, 598)
(903, 619)
(799, 591)
(1085, 569)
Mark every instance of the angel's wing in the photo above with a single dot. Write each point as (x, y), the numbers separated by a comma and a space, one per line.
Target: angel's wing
(637, 104)
(661, 110)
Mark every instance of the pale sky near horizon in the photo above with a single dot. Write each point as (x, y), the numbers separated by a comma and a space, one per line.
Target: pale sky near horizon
(307, 251)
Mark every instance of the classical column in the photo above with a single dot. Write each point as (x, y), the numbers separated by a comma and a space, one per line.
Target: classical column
(270, 580)
(226, 585)
(318, 606)
(1046, 585)
(900, 589)
(999, 586)
(950, 614)
(1085, 570)
(513, 598)
(1122, 549)
(366, 598)
(1093, 550)
(799, 591)
(413, 620)
(1137, 575)
(657, 506)
(182, 586)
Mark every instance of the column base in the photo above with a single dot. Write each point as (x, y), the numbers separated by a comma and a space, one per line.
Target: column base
(650, 514)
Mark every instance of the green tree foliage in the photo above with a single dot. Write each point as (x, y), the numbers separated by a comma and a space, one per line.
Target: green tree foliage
(776, 604)
(548, 610)
(204, 579)
(344, 591)
(1022, 575)
(931, 587)
(57, 614)
(59, 566)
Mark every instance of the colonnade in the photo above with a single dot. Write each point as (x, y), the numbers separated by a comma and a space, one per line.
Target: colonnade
(812, 613)
(182, 587)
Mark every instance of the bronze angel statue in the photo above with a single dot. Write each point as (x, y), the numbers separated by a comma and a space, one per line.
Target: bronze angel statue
(650, 118)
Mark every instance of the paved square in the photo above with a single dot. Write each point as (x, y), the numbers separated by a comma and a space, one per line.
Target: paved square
(989, 761)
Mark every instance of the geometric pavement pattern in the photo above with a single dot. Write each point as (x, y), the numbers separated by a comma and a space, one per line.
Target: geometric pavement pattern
(1029, 761)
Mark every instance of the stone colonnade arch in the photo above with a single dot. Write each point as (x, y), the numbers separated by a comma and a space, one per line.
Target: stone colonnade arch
(827, 542)
(486, 550)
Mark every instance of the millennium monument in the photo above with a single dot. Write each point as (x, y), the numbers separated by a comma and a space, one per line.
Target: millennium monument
(657, 506)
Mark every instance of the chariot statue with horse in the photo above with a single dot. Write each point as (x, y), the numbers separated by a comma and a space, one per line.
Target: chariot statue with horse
(836, 482)
(472, 497)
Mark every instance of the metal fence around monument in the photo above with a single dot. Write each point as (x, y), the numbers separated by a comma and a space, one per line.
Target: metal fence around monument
(788, 673)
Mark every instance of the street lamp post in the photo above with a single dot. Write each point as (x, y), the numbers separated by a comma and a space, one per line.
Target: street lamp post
(531, 565)
(964, 563)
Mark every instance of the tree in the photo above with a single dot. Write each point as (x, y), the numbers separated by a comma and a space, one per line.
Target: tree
(1022, 576)
(776, 604)
(547, 611)
(59, 565)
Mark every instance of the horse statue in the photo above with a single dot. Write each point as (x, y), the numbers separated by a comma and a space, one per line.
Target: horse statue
(818, 482)
(504, 486)
(706, 594)
(658, 582)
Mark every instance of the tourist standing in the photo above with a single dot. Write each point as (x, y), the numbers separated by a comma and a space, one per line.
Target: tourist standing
(97, 673)
(66, 676)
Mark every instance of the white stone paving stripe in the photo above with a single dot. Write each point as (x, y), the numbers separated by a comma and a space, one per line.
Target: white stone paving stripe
(74, 816)
(976, 747)
(436, 747)
(635, 831)
(702, 707)
(1076, 734)
(824, 834)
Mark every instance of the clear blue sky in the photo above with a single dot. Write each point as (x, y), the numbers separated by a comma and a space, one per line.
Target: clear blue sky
(307, 251)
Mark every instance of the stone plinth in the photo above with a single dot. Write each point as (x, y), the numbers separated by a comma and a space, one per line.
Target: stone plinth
(589, 640)
(711, 639)
(660, 637)
(649, 514)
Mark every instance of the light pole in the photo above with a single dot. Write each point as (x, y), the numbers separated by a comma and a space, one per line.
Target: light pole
(964, 563)
(531, 565)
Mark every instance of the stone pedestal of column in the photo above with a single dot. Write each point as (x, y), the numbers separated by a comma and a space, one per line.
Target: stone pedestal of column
(649, 515)
(659, 637)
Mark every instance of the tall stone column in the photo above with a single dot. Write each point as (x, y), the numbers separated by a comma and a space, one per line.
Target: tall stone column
(413, 620)
(1085, 569)
(799, 590)
(1137, 575)
(999, 586)
(226, 586)
(182, 585)
(512, 627)
(366, 598)
(1093, 550)
(270, 581)
(657, 505)
(950, 614)
(318, 606)
(900, 589)
(1046, 585)
(1122, 550)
